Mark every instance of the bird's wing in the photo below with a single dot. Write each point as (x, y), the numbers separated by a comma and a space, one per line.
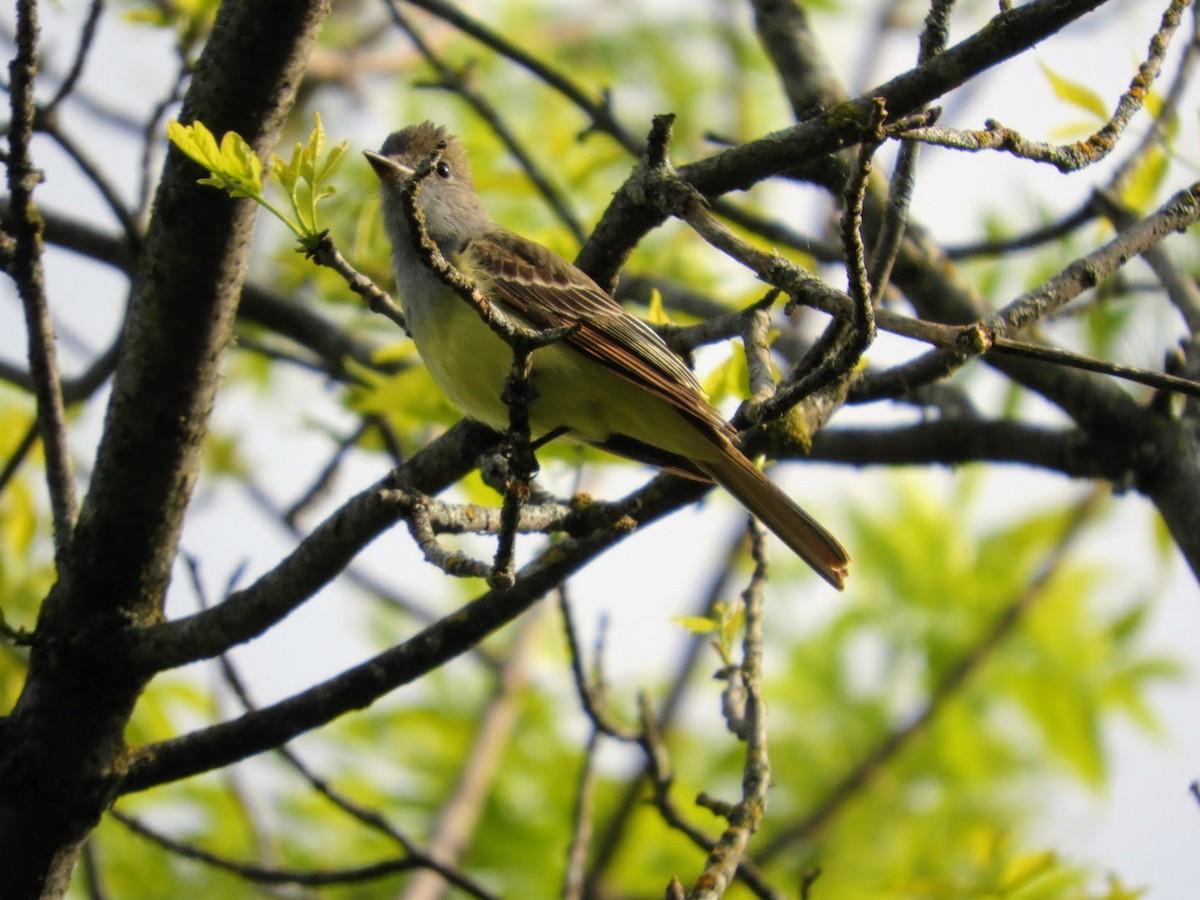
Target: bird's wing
(546, 291)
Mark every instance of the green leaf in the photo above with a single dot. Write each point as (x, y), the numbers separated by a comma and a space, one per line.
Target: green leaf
(196, 141)
(1118, 891)
(729, 379)
(731, 619)
(408, 399)
(1130, 623)
(332, 161)
(191, 19)
(287, 173)
(1078, 95)
(1147, 177)
(222, 456)
(303, 177)
(696, 624)
(656, 313)
(1068, 720)
(1105, 325)
(1028, 867)
(234, 166)
(242, 162)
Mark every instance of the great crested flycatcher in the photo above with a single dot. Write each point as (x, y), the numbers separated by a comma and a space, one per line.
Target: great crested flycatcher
(612, 382)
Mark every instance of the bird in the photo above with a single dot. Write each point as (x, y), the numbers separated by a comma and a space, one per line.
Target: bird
(611, 382)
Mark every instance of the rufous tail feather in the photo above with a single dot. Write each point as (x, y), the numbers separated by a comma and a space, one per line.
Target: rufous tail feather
(807, 538)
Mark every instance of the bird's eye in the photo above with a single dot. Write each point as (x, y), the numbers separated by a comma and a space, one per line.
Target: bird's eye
(443, 170)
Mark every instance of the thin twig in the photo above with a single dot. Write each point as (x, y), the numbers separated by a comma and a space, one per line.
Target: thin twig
(859, 289)
(20, 452)
(658, 769)
(87, 38)
(1060, 357)
(592, 691)
(324, 252)
(353, 572)
(28, 274)
(581, 821)
(107, 190)
(151, 133)
(325, 478)
(268, 875)
(1035, 237)
(844, 341)
(244, 800)
(518, 394)
(1157, 136)
(91, 871)
(460, 815)
(1077, 155)
(995, 332)
(756, 324)
(599, 111)
(746, 815)
(617, 828)
(900, 188)
(1180, 286)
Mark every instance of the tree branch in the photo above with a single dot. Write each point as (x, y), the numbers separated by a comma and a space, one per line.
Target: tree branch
(26, 270)
(1077, 155)
(255, 732)
(59, 748)
(632, 213)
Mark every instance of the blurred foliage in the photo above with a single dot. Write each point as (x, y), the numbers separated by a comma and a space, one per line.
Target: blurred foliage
(26, 557)
(941, 816)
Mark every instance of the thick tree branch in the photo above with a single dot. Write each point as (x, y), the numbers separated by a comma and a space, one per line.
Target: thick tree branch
(807, 77)
(313, 563)
(185, 297)
(360, 686)
(959, 441)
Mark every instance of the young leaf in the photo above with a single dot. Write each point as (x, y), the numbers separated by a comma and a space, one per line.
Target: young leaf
(656, 313)
(1148, 176)
(1078, 95)
(233, 166)
(303, 177)
(696, 624)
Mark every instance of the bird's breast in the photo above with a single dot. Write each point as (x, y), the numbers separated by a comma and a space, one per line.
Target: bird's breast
(470, 363)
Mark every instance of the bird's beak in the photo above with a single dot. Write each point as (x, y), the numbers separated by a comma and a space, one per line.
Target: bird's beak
(388, 169)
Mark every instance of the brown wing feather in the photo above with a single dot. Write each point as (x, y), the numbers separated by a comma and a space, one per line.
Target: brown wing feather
(548, 292)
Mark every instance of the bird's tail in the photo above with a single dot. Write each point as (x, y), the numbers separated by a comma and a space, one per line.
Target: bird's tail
(801, 532)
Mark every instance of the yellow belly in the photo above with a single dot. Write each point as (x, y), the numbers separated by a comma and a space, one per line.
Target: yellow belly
(470, 363)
